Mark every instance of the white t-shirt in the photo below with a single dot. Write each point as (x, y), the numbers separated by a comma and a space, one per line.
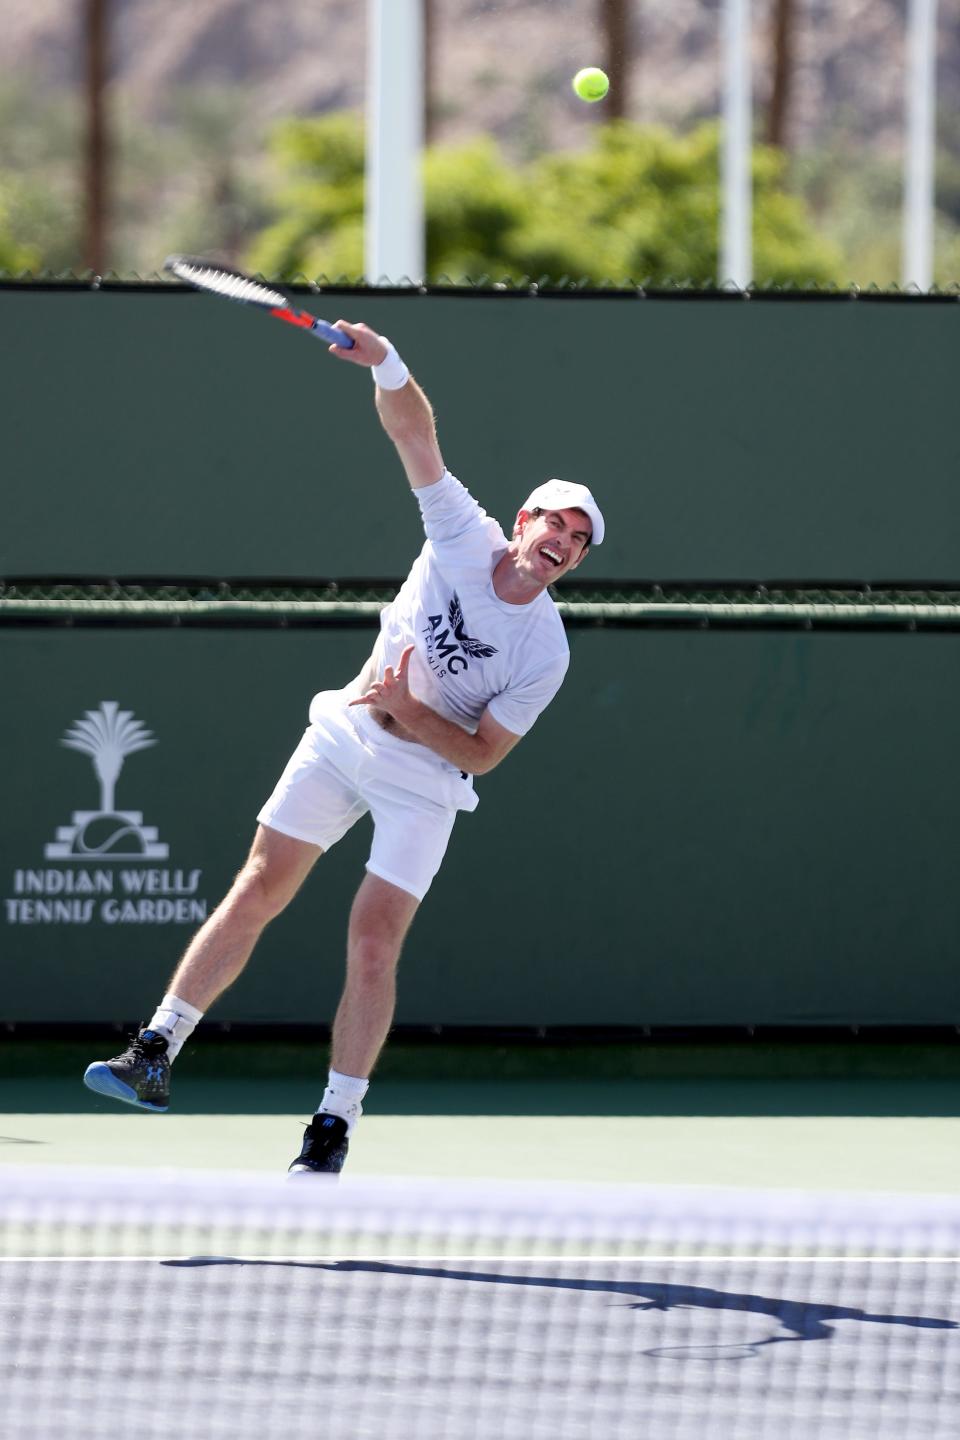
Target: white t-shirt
(474, 651)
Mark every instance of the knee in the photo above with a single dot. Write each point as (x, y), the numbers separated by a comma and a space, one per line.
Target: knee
(373, 956)
(257, 894)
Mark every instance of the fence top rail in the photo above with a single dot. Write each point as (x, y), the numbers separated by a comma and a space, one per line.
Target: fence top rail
(332, 603)
(573, 593)
(562, 287)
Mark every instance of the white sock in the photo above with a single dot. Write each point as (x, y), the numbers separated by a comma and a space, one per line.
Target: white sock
(342, 1097)
(174, 1020)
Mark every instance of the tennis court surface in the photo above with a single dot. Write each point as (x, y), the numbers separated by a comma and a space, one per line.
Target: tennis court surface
(243, 1305)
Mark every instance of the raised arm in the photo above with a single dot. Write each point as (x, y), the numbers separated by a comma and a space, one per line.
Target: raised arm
(405, 413)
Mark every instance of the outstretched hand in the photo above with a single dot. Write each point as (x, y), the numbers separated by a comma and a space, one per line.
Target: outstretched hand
(368, 347)
(393, 693)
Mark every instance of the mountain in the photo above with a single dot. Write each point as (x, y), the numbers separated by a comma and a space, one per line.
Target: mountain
(501, 66)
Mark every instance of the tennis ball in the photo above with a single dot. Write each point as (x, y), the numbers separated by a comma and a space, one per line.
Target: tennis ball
(591, 84)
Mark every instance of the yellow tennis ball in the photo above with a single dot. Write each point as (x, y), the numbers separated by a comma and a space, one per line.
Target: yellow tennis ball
(591, 84)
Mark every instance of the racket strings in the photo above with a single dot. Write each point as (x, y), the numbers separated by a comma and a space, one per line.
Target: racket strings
(228, 284)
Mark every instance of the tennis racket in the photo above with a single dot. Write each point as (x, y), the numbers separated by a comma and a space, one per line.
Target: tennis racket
(235, 285)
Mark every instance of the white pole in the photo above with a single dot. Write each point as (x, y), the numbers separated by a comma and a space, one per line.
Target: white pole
(393, 229)
(918, 180)
(736, 249)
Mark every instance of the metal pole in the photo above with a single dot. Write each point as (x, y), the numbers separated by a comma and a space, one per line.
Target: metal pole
(736, 250)
(394, 239)
(918, 180)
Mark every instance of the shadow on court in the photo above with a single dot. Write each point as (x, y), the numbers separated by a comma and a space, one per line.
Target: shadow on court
(800, 1320)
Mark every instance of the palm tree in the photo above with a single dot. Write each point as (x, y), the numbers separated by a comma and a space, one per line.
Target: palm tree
(615, 23)
(783, 30)
(429, 71)
(108, 734)
(97, 140)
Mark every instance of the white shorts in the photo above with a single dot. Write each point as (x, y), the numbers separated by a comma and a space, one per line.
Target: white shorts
(345, 766)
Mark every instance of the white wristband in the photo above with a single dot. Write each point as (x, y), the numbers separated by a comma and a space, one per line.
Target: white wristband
(391, 373)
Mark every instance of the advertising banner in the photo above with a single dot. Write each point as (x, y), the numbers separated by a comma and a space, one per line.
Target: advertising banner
(728, 828)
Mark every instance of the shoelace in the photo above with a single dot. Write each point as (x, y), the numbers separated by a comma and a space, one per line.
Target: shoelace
(134, 1051)
(138, 1050)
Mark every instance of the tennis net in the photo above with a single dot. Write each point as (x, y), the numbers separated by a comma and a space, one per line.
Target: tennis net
(152, 1304)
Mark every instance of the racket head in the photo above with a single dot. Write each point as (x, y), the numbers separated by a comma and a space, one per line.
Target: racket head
(237, 285)
(734, 1351)
(224, 280)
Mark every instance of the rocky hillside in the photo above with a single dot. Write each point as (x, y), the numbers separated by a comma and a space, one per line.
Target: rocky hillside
(501, 66)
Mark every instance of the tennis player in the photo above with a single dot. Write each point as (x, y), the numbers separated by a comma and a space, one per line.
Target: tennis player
(469, 653)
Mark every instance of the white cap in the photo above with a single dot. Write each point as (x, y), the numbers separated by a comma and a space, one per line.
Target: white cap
(567, 495)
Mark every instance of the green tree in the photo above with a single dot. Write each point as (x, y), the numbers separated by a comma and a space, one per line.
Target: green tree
(857, 197)
(318, 229)
(39, 165)
(643, 204)
(14, 257)
(640, 204)
(194, 187)
(475, 205)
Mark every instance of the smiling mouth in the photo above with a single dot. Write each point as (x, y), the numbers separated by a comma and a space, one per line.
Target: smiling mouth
(551, 555)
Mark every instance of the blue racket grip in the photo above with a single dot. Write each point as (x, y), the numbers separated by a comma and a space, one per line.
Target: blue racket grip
(332, 335)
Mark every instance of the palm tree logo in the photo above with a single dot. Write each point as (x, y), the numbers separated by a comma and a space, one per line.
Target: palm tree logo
(108, 736)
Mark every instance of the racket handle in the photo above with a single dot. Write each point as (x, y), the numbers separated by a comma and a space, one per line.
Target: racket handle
(331, 334)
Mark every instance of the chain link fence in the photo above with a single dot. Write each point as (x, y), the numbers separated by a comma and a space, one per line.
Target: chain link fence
(223, 602)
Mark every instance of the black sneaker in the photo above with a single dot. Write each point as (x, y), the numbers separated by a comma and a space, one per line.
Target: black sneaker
(140, 1076)
(325, 1147)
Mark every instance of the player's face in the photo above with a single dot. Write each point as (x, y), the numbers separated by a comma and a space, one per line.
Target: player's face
(552, 543)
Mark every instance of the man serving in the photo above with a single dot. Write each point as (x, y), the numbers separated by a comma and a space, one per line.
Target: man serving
(469, 653)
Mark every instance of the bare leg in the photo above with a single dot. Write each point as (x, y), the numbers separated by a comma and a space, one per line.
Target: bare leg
(379, 921)
(272, 874)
